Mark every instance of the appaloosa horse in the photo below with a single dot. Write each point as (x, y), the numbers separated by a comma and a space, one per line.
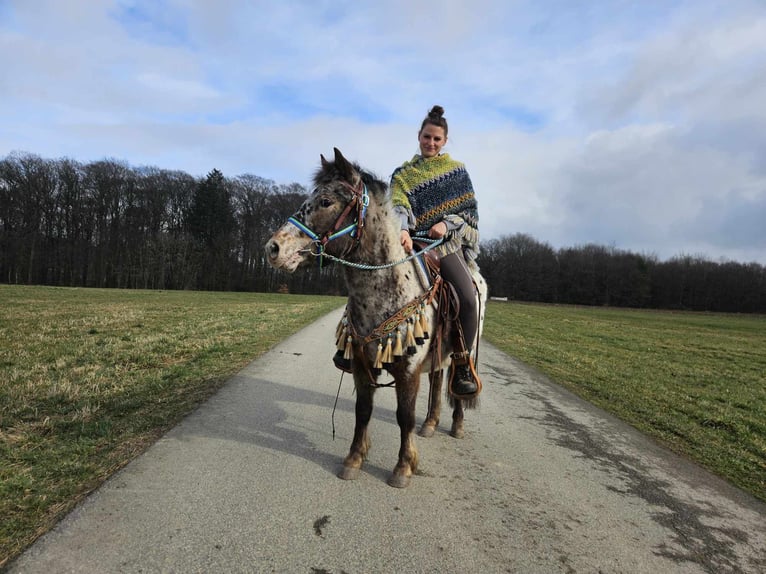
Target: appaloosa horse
(349, 218)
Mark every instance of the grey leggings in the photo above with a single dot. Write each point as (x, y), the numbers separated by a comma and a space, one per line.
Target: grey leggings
(455, 271)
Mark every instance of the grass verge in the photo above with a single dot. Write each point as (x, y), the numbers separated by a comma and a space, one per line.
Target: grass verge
(89, 378)
(695, 382)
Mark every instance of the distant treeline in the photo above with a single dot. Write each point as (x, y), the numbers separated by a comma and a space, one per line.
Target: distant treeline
(521, 268)
(107, 224)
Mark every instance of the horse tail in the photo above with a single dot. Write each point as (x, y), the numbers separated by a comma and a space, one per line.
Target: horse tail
(472, 403)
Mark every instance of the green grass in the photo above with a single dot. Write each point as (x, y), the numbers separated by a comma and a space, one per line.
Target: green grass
(695, 382)
(90, 377)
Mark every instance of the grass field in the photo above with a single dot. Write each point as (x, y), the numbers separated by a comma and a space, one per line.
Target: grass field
(694, 381)
(90, 377)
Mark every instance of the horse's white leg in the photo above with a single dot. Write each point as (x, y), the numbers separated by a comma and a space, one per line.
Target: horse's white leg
(434, 404)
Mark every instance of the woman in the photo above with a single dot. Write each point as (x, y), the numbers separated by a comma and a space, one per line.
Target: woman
(433, 196)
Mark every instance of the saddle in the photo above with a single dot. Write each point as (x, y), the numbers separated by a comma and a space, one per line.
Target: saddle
(432, 257)
(446, 323)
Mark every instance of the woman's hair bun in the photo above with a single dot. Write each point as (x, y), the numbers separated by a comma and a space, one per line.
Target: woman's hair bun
(436, 112)
(435, 118)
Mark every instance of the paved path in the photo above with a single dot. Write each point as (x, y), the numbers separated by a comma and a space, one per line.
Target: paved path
(542, 483)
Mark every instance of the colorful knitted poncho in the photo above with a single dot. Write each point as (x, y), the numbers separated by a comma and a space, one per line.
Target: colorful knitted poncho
(437, 189)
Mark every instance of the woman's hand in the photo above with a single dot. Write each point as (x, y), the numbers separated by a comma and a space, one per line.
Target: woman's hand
(406, 240)
(438, 230)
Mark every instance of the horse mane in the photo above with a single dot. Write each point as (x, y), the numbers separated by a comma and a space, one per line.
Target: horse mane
(329, 172)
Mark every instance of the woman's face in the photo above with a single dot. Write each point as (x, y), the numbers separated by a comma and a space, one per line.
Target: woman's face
(431, 139)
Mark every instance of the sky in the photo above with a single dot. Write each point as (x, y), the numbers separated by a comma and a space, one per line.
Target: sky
(639, 126)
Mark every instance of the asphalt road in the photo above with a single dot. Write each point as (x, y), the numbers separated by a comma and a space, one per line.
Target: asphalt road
(541, 483)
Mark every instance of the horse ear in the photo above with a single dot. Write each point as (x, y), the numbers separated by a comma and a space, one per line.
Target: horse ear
(343, 165)
(325, 163)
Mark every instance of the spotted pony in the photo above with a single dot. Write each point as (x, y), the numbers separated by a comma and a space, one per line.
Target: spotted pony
(349, 217)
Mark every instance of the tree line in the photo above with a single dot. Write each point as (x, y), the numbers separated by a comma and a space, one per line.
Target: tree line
(107, 224)
(522, 268)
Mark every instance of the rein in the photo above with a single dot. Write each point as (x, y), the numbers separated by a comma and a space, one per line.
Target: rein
(360, 200)
(369, 266)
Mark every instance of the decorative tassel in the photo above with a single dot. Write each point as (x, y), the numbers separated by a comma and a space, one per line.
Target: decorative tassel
(409, 339)
(398, 351)
(424, 320)
(340, 329)
(343, 355)
(418, 330)
(388, 358)
(377, 368)
(340, 340)
(340, 362)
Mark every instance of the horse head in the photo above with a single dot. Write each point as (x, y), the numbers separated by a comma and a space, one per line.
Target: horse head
(331, 220)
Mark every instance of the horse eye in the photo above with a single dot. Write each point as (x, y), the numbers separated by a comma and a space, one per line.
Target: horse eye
(325, 202)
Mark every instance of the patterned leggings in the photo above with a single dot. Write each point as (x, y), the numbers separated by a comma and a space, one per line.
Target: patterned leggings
(455, 271)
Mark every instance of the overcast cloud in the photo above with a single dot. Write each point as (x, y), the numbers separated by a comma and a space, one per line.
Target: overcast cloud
(638, 125)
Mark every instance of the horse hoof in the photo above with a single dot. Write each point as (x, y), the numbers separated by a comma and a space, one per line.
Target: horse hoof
(399, 481)
(349, 473)
(457, 433)
(427, 431)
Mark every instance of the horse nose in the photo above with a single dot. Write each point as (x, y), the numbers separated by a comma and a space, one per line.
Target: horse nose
(272, 249)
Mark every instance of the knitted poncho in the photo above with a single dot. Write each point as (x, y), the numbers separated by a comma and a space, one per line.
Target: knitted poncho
(437, 189)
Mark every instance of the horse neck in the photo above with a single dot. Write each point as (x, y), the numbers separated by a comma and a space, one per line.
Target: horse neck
(379, 292)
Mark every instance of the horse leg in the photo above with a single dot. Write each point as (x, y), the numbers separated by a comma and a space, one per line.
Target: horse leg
(360, 444)
(406, 394)
(434, 404)
(457, 419)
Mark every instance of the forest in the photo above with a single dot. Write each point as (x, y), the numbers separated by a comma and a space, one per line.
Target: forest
(108, 224)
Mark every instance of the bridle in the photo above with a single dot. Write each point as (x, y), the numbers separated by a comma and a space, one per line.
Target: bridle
(360, 200)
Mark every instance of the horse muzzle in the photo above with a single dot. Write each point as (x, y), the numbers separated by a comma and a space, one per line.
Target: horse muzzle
(286, 251)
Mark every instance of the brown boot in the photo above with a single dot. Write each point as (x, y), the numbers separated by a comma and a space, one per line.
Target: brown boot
(464, 382)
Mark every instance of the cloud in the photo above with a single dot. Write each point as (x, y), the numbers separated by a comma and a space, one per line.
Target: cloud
(649, 188)
(637, 125)
(695, 71)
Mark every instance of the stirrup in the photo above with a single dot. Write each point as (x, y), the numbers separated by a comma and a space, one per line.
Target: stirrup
(465, 361)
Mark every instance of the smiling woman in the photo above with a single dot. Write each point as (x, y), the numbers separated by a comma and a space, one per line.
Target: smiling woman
(433, 196)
